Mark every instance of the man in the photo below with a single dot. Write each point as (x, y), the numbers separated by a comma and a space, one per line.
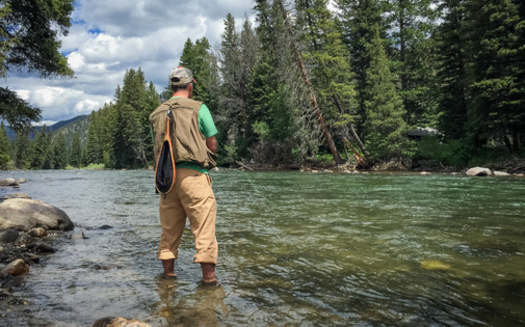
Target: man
(194, 147)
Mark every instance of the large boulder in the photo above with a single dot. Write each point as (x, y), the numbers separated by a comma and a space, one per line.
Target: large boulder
(26, 214)
(479, 171)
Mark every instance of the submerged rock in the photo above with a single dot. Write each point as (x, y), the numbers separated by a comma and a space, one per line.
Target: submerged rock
(119, 322)
(26, 214)
(434, 265)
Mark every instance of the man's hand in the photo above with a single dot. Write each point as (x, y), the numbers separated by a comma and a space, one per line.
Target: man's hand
(211, 143)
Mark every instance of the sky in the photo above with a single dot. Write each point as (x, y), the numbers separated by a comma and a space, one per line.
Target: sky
(107, 38)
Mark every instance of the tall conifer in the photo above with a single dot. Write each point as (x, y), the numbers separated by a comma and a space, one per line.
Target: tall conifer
(385, 127)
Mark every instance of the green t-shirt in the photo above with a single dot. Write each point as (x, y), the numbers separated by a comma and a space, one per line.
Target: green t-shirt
(208, 129)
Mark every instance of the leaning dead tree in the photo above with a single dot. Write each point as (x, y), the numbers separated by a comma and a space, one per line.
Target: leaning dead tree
(298, 56)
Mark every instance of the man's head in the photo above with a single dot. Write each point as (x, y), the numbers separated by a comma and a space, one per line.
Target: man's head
(180, 78)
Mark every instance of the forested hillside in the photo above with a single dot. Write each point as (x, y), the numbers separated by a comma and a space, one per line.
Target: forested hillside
(308, 84)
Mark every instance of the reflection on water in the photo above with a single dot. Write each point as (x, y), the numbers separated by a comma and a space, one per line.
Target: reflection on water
(296, 249)
(203, 307)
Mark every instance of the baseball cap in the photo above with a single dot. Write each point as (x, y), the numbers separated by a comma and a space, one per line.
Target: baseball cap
(181, 76)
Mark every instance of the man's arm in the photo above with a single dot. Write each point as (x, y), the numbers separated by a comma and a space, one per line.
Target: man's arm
(211, 143)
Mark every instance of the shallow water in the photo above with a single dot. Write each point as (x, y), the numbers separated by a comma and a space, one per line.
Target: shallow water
(295, 249)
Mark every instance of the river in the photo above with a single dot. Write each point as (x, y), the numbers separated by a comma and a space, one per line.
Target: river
(295, 249)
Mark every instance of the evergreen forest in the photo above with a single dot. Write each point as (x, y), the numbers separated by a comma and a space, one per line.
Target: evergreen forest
(385, 84)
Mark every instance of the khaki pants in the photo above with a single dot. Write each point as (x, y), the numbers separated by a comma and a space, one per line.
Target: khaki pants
(191, 197)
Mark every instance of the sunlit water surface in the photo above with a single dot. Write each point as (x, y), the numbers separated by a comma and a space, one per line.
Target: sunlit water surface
(296, 249)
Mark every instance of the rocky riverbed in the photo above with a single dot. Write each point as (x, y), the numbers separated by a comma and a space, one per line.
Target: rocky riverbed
(29, 232)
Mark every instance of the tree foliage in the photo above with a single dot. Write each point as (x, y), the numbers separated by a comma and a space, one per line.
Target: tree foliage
(307, 81)
(29, 32)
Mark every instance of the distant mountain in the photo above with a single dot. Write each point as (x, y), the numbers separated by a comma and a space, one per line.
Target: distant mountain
(78, 124)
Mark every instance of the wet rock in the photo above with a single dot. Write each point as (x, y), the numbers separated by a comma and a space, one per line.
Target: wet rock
(16, 268)
(8, 182)
(22, 181)
(38, 232)
(43, 248)
(479, 171)
(15, 196)
(26, 214)
(31, 257)
(501, 173)
(77, 236)
(24, 239)
(9, 235)
(119, 322)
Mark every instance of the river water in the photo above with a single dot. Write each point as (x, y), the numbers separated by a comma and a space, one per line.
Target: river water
(295, 249)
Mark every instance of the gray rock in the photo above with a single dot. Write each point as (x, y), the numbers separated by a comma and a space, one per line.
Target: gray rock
(26, 214)
(479, 171)
(8, 236)
(8, 182)
(43, 248)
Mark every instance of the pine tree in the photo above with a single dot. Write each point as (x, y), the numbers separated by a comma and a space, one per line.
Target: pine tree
(238, 54)
(412, 24)
(22, 149)
(385, 127)
(40, 147)
(328, 59)
(94, 144)
(496, 54)
(4, 147)
(198, 58)
(358, 20)
(452, 73)
(129, 147)
(60, 150)
(75, 157)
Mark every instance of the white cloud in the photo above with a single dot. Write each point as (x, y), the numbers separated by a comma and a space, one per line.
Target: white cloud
(109, 37)
(88, 105)
(24, 94)
(47, 96)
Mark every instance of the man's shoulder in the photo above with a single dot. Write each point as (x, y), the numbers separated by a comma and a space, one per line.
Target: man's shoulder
(160, 108)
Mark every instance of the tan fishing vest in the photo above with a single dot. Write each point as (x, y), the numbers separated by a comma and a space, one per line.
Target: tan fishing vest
(189, 144)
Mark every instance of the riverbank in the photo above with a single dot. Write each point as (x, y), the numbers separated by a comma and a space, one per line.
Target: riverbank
(514, 166)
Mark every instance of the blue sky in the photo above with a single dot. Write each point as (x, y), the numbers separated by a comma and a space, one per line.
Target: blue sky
(109, 37)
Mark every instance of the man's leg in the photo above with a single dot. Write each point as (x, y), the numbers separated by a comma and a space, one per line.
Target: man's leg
(172, 221)
(201, 208)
